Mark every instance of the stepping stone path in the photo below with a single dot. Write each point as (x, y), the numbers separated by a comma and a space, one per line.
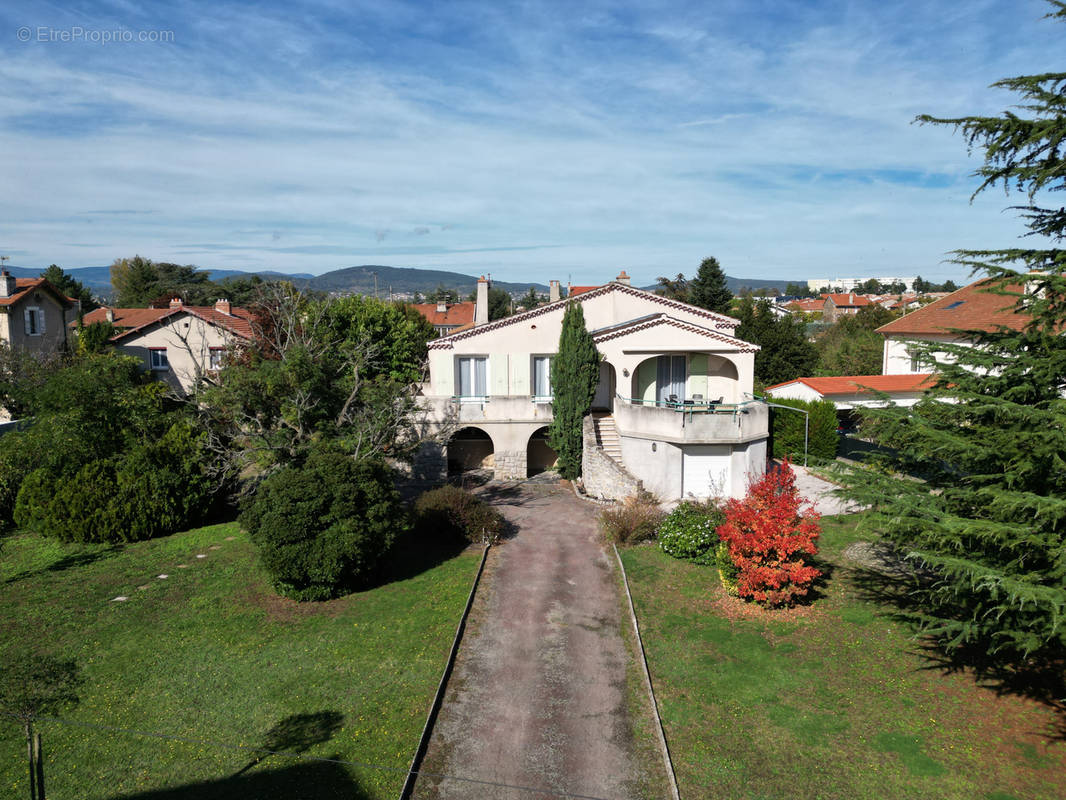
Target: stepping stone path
(163, 576)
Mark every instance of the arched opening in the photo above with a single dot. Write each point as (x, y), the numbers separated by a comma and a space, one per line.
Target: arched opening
(470, 449)
(540, 457)
(699, 378)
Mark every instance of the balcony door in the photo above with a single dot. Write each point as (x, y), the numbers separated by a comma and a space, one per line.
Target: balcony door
(670, 376)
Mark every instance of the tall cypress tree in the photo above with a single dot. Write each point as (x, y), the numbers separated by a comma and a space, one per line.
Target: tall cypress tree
(987, 520)
(709, 290)
(574, 374)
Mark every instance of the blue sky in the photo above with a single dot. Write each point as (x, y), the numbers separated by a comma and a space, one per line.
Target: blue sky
(530, 140)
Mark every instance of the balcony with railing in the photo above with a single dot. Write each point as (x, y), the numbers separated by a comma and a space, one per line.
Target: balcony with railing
(692, 421)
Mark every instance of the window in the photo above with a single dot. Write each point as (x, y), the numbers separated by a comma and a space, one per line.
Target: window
(542, 376)
(158, 359)
(214, 357)
(34, 318)
(671, 372)
(472, 376)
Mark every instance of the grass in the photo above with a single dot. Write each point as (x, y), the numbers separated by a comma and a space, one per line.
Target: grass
(210, 654)
(833, 700)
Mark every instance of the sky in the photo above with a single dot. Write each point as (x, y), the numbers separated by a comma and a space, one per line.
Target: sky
(529, 140)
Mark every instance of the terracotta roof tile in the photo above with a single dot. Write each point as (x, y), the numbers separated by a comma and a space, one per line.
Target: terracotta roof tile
(455, 313)
(849, 300)
(25, 285)
(576, 290)
(132, 320)
(858, 384)
(972, 307)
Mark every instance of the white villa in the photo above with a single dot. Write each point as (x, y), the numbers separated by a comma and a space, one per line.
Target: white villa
(674, 409)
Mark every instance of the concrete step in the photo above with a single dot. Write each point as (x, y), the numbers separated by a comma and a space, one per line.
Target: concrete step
(607, 436)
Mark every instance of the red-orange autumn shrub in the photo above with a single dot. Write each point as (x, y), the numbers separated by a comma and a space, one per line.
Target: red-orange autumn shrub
(769, 534)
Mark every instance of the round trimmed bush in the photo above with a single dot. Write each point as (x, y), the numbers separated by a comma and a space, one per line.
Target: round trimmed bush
(321, 528)
(690, 532)
(457, 513)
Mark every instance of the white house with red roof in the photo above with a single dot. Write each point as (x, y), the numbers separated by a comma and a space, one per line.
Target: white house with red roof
(970, 308)
(179, 344)
(856, 391)
(34, 314)
(673, 411)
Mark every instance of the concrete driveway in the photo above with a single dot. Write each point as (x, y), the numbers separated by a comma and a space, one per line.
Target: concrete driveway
(538, 696)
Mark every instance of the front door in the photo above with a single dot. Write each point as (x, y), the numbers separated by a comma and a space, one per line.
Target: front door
(602, 400)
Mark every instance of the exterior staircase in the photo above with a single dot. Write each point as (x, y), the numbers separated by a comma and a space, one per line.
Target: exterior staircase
(607, 436)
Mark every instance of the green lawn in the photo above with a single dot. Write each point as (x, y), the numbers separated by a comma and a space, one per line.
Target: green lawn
(831, 702)
(210, 653)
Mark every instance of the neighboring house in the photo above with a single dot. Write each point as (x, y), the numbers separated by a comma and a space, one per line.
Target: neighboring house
(34, 314)
(856, 391)
(673, 409)
(836, 305)
(179, 343)
(451, 317)
(970, 308)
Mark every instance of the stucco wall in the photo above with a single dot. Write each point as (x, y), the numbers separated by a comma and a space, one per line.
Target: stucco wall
(897, 356)
(56, 318)
(188, 341)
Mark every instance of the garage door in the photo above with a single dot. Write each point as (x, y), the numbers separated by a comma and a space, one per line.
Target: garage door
(705, 470)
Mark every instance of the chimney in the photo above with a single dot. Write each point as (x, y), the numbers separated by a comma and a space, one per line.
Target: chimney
(109, 315)
(223, 307)
(481, 308)
(442, 307)
(623, 278)
(553, 291)
(851, 299)
(7, 283)
(175, 302)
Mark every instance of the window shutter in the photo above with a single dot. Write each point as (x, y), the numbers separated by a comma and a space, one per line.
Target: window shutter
(26, 317)
(40, 320)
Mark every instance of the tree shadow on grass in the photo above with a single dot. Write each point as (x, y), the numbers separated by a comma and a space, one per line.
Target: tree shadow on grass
(68, 562)
(414, 552)
(1041, 679)
(297, 734)
(318, 780)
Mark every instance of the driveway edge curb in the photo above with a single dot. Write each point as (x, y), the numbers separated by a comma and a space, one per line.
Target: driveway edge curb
(663, 746)
(438, 698)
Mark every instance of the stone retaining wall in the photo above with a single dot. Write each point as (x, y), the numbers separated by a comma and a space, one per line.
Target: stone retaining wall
(601, 475)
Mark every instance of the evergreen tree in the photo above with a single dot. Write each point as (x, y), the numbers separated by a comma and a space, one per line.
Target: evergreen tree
(987, 521)
(69, 286)
(786, 354)
(709, 290)
(574, 374)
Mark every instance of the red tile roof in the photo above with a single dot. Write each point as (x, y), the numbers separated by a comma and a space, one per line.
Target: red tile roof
(972, 307)
(859, 384)
(25, 285)
(576, 290)
(849, 300)
(455, 314)
(133, 320)
(806, 305)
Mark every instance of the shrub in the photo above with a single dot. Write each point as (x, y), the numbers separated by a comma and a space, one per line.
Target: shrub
(459, 514)
(689, 532)
(154, 489)
(769, 533)
(321, 528)
(634, 520)
(787, 429)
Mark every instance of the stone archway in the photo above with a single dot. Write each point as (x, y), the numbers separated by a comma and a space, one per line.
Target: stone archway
(540, 456)
(469, 449)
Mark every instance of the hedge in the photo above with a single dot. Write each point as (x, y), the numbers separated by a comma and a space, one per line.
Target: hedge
(787, 430)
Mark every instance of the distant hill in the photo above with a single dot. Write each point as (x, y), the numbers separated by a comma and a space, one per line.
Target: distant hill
(737, 285)
(361, 280)
(98, 279)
